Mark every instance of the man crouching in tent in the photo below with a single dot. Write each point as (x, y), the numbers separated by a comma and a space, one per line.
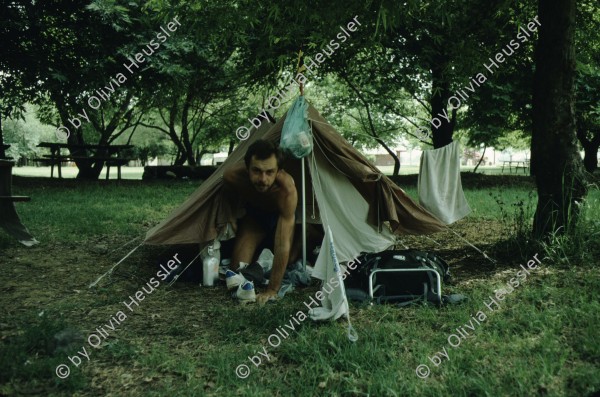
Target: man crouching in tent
(271, 198)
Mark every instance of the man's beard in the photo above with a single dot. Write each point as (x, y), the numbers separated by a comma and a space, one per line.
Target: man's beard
(262, 188)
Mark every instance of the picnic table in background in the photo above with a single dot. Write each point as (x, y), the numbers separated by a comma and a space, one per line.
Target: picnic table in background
(112, 158)
(9, 218)
(517, 164)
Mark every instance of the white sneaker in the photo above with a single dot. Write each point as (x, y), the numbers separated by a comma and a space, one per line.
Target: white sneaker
(233, 280)
(246, 293)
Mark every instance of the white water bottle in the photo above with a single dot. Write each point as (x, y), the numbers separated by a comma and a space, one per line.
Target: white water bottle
(210, 264)
(210, 271)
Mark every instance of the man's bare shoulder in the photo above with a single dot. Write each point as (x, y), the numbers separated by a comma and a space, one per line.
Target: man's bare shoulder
(234, 175)
(285, 180)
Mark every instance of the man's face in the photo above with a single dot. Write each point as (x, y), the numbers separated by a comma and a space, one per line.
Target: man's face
(263, 172)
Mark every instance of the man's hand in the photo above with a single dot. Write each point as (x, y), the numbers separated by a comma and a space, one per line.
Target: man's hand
(266, 296)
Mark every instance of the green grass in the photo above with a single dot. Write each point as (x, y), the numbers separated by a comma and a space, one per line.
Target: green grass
(484, 202)
(186, 341)
(137, 172)
(71, 172)
(35, 348)
(530, 346)
(64, 213)
(487, 170)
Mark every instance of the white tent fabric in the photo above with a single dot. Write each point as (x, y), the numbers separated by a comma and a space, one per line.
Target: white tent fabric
(440, 187)
(352, 234)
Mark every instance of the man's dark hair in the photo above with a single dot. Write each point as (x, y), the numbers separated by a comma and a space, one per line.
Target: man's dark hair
(262, 150)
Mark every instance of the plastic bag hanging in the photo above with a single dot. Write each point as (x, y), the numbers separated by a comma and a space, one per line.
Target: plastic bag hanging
(296, 135)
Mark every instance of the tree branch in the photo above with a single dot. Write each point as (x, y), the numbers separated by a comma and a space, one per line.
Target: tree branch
(154, 127)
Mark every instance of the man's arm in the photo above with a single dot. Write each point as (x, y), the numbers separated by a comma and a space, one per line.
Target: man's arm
(233, 176)
(284, 233)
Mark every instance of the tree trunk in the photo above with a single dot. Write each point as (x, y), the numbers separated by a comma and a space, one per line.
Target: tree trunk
(590, 148)
(173, 111)
(75, 138)
(555, 160)
(441, 129)
(185, 135)
(180, 158)
(88, 169)
(590, 160)
(392, 154)
(189, 153)
(91, 169)
(481, 159)
(2, 153)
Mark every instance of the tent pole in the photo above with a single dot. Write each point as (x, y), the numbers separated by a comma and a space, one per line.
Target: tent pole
(303, 217)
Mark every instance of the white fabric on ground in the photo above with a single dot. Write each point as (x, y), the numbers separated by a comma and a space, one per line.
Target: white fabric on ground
(335, 304)
(440, 187)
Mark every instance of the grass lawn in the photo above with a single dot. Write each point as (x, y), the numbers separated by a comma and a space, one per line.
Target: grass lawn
(137, 172)
(540, 340)
(71, 172)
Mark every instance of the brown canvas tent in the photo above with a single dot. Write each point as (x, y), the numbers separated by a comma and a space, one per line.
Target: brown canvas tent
(207, 211)
(361, 209)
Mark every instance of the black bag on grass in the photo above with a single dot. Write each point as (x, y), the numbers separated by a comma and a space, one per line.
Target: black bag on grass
(398, 276)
